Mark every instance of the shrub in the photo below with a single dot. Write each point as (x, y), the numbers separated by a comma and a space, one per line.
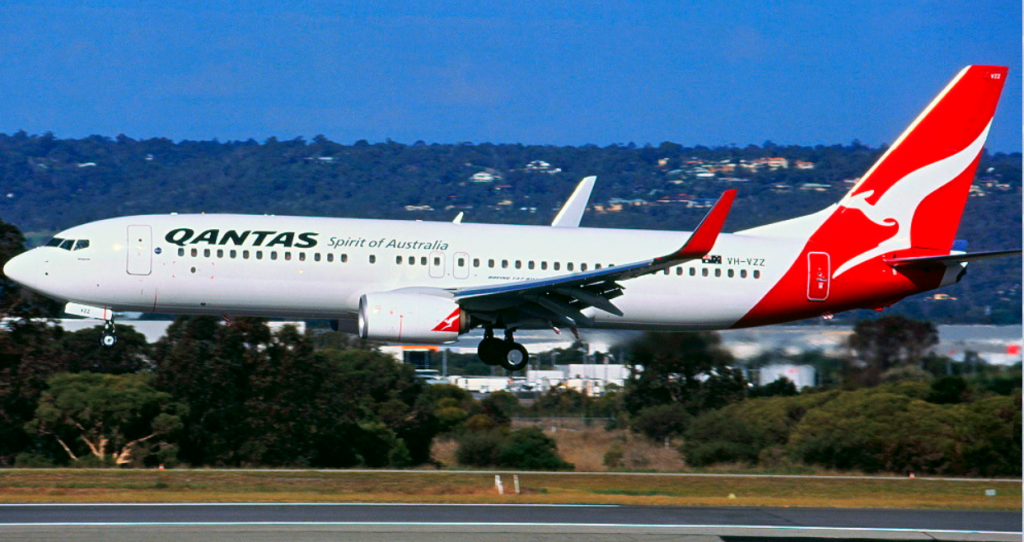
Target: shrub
(479, 448)
(874, 430)
(661, 422)
(742, 431)
(530, 448)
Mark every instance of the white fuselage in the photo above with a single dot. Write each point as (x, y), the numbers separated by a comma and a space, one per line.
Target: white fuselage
(304, 267)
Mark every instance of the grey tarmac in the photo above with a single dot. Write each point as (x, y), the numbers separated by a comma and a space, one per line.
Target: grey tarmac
(477, 523)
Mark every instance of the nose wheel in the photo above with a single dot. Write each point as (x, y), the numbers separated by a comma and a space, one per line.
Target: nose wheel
(108, 338)
(507, 353)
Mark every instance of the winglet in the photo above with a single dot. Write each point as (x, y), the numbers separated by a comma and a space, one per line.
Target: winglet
(458, 218)
(572, 212)
(702, 240)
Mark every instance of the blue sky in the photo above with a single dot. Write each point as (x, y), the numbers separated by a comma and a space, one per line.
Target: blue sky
(563, 72)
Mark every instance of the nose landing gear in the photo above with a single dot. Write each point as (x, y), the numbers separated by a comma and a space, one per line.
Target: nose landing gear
(509, 354)
(109, 338)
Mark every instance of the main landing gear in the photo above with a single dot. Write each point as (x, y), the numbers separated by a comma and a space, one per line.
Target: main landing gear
(509, 354)
(109, 338)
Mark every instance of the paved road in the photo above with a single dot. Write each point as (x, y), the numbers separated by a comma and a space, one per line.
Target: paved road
(431, 522)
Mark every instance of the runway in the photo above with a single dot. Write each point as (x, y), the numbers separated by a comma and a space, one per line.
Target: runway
(454, 523)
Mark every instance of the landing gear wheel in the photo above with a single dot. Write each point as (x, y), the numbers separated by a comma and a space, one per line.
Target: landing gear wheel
(516, 357)
(491, 350)
(109, 338)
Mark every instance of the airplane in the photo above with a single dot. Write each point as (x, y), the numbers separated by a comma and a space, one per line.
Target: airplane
(890, 237)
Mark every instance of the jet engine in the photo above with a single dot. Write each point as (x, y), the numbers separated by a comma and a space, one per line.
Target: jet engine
(410, 317)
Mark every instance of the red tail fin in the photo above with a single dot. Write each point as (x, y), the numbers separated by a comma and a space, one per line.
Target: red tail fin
(912, 198)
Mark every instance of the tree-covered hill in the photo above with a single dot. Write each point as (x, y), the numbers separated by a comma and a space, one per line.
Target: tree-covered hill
(48, 184)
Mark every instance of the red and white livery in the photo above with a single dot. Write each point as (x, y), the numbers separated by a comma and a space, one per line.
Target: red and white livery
(429, 282)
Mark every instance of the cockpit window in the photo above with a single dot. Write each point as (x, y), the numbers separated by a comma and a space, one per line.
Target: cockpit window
(68, 244)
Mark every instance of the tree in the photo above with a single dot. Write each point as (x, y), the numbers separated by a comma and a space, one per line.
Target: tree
(264, 398)
(887, 343)
(82, 351)
(15, 301)
(690, 369)
(112, 415)
(29, 356)
(659, 423)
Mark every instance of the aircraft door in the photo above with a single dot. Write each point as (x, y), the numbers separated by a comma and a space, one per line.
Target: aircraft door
(819, 274)
(461, 267)
(140, 252)
(437, 264)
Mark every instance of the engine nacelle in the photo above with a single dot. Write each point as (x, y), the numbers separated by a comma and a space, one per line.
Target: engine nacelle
(410, 317)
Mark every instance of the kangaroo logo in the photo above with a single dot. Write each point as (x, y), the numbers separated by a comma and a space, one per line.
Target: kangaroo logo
(449, 324)
(897, 206)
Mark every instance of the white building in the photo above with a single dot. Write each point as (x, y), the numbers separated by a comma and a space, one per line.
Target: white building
(801, 376)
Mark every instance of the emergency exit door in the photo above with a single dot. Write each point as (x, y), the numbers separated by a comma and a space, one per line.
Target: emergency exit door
(140, 252)
(819, 276)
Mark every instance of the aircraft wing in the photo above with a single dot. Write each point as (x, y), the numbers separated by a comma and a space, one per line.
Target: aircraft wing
(572, 212)
(560, 299)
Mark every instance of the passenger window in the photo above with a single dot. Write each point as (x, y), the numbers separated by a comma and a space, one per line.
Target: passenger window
(316, 256)
(220, 252)
(757, 274)
(530, 264)
(597, 266)
(462, 262)
(693, 271)
(704, 272)
(543, 266)
(344, 258)
(504, 264)
(373, 258)
(195, 252)
(412, 260)
(718, 272)
(490, 263)
(302, 256)
(679, 271)
(568, 266)
(583, 267)
(206, 253)
(81, 243)
(519, 264)
(273, 254)
(476, 262)
(437, 261)
(398, 259)
(259, 254)
(288, 256)
(330, 256)
(234, 254)
(245, 254)
(181, 251)
(729, 273)
(423, 260)
(743, 273)
(665, 271)
(557, 266)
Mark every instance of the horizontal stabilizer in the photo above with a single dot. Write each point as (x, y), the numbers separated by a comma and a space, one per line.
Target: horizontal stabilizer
(949, 258)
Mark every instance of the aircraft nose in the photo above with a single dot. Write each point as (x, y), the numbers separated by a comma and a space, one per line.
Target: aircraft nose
(20, 269)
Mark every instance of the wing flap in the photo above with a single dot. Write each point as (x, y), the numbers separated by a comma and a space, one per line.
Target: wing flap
(562, 298)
